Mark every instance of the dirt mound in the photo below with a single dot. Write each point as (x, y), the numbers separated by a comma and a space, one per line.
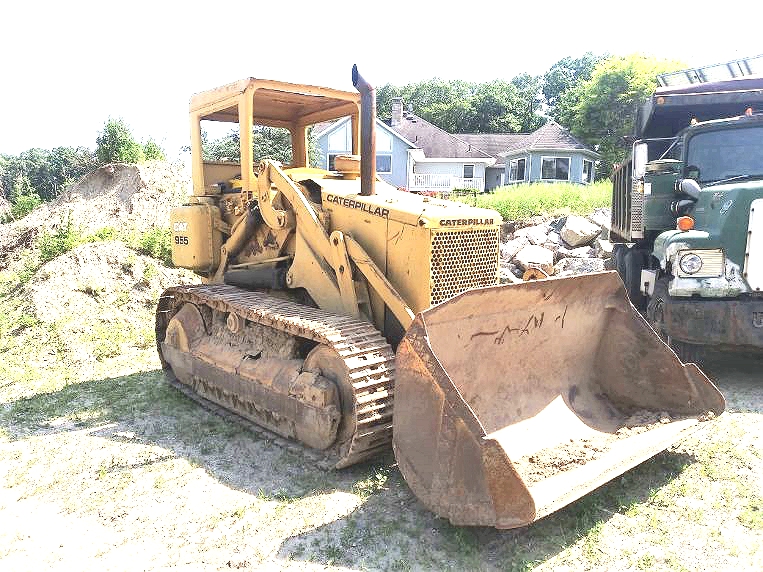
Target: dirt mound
(138, 196)
(100, 299)
(117, 195)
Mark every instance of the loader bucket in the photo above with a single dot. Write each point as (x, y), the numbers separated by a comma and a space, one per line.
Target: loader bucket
(513, 401)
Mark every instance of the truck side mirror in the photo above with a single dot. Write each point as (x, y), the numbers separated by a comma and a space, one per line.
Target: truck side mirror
(682, 207)
(692, 172)
(690, 187)
(640, 158)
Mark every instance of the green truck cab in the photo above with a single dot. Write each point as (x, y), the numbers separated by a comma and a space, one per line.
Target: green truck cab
(687, 215)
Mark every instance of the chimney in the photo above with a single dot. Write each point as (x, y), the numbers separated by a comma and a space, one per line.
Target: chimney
(397, 111)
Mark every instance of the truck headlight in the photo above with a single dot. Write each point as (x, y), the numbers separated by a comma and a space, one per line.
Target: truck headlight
(690, 263)
(700, 263)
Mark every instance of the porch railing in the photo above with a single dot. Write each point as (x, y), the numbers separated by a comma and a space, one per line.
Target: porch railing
(440, 182)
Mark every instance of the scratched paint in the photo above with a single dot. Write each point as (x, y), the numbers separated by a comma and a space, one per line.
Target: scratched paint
(534, 322)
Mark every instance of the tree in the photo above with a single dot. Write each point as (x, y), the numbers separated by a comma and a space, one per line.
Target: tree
(493, 109)
(68, 164)
(267, 143)
(529, 102)
(461, 107)
(601, 111)
(116, 144)
(565, 75)
(152, 151)
(40, 174)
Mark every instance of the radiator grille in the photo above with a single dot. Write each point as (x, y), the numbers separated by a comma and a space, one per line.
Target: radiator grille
(753, 264)
(637, 211)
(462, 259)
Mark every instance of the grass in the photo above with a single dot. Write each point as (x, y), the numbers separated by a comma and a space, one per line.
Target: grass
(155, 242)
(524, 201)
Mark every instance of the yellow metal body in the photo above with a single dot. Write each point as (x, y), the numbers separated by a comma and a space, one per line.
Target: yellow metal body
(250, 102)
(486, 379)
(198, 225)
(365, 256)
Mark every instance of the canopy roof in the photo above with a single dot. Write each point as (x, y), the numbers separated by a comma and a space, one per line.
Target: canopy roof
(276, 103)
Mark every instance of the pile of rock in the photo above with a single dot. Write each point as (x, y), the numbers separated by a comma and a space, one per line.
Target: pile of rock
(560, 247)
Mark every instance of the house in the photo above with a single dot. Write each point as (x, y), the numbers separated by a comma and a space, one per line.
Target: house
(392, 150)
(414, 154)
(548, 154)
(493, 144)
(439, 161)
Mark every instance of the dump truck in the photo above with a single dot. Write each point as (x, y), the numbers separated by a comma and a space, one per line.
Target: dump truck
(687, 209)
(347, 315)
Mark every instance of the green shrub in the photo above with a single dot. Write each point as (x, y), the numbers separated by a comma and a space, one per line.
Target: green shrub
(52, 245)
(156, 243)
(103, 235)
(117, 145)
(22, 206)
(152, 150)
(523, 201)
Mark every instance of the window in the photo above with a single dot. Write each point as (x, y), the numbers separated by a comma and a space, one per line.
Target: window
(383, 140)
(587, 172)
(341, 139)
(727, 153)
(468, 171)
(555, 168)
(384, 163)
(331, 157)
(517, 170)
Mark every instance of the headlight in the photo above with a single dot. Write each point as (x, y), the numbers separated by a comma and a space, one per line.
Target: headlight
(700, 263)
(690, 263)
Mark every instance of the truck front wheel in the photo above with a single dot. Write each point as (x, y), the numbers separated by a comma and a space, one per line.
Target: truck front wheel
(618, 253)
(634, 264)
(655, 315)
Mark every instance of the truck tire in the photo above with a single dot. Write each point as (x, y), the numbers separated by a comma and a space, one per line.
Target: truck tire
(689, 353)
(634, 263)
(618, 253)
(686, 352)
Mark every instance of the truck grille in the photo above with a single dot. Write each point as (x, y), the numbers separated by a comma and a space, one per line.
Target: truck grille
(753, 263)
(462, 259)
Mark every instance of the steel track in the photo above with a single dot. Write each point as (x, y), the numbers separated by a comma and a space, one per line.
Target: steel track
(367, 356)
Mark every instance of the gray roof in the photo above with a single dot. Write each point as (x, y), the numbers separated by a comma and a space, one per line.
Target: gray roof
(439, 144)
(550, 136)
(435, 142)
(493, 143)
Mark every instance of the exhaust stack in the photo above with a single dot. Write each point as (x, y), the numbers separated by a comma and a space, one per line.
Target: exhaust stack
(367, 133)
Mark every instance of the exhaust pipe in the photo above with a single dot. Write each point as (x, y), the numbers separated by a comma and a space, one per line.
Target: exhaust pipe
(367, 133)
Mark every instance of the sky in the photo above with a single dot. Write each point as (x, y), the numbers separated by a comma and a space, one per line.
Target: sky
(67, 66)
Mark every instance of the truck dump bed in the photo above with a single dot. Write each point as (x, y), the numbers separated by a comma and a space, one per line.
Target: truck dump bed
(671, 109)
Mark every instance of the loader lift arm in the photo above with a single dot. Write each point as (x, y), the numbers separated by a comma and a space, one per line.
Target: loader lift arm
(325, 256)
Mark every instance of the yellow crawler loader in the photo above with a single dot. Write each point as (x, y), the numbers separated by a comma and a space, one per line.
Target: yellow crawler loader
(348, 315)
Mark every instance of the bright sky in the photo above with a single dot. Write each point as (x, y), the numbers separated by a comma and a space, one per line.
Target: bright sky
(69, 65)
